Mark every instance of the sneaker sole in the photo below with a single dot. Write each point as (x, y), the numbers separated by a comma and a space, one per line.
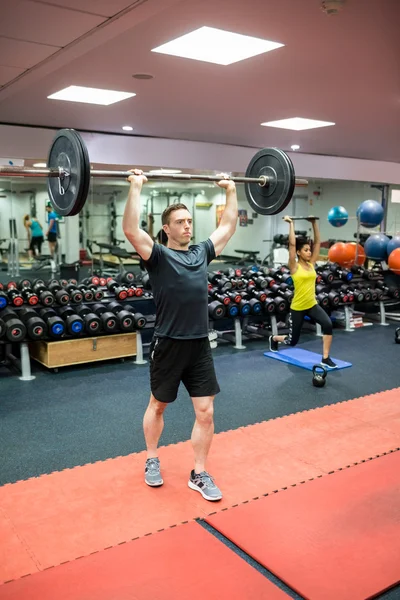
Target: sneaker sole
(158, 484)
(197, 489)
(328, 367)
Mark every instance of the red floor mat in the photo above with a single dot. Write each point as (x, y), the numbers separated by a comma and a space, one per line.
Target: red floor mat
(62, 516)
(183, 562)
(335, 537)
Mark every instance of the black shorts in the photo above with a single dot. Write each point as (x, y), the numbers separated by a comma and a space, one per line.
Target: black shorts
(51, 237)
(189, 361)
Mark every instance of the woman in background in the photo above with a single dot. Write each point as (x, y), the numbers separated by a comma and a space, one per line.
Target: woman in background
(35, 236)
(304, 303)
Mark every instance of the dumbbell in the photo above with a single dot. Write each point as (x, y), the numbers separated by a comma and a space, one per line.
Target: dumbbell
(55, 324)
(221, 282)
(98, 293)
(45, 297)
(65, 282)
(74, 323)
(35, 325)
(367, 295)
(284, 277)
(91, 280)
(280, 303)
(91, 320)
(255, 306)
(322, 299)
(325, 275)
(217, 310)
(24, 283)
(87, 293)
(60, 295)
(379, 292)
(139, 320)
(233, 297)
(124, 317)
(120, 292)
(215, 295)
(15, 297)
(74, 293)
(343, 274)
(366, 273)
(29, 296)
(388, 290)
(374, 293)
(230, 273)
(348, 290)
(259, 295)
(15, 330)
(358, 293)
(3, 300)
(2, 328)
(231, 310)
(108, 319)
(125, 278)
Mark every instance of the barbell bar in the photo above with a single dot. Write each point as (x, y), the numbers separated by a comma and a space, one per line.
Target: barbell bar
(269, 180)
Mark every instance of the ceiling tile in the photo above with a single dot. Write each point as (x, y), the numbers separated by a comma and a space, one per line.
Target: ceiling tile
(45, 24)
(16, 53)
(107, 8)
(8, 74)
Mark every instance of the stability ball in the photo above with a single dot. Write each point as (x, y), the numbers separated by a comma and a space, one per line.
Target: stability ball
(376, 246)
(350, 254)
(370, 213)
(393, 244)
(394, 261)
(338, 216)
(337, 253)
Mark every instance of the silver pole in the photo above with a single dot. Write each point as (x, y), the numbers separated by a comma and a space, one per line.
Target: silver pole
(62, 173)
(25, 172)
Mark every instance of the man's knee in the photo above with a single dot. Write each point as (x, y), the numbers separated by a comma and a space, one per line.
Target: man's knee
(204, 410)
(156, 406)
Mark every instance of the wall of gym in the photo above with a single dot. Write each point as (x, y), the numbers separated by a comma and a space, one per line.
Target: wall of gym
(317, 198)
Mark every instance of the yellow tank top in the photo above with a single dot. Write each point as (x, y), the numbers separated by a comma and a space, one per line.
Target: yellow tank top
(304, 288)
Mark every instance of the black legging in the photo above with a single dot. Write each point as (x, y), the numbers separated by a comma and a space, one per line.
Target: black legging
(296, 318)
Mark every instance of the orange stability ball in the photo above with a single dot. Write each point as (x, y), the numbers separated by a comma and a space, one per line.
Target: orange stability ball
(394, 261)
(337, 254)
(350, 254)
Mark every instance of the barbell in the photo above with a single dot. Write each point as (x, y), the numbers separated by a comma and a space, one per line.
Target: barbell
(269, 181)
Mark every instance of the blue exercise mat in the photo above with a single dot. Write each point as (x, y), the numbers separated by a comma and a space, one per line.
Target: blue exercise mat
(303, 358)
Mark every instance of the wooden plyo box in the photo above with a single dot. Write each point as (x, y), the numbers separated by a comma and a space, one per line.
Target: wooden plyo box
(83, 350)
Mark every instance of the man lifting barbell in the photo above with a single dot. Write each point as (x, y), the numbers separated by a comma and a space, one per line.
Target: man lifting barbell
(304, 302)
(180, 349)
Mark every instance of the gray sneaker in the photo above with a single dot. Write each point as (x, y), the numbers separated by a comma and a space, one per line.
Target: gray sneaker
(152, 474)
(204, 483)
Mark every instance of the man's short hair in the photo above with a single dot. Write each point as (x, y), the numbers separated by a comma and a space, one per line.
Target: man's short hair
(170, 209)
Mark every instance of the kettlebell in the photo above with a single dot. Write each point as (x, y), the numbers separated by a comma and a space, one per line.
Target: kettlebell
(319, 376)
(397, 335)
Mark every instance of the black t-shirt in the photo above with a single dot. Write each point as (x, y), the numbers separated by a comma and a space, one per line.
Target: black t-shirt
(180, 287)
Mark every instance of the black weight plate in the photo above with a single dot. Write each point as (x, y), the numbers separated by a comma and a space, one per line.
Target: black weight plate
(86, 163)
(270, 199)
(67, 152)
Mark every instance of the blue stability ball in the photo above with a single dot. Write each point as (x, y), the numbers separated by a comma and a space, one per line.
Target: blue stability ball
(370, 213)
(376, 246)
(338, 216)
(393, 244)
